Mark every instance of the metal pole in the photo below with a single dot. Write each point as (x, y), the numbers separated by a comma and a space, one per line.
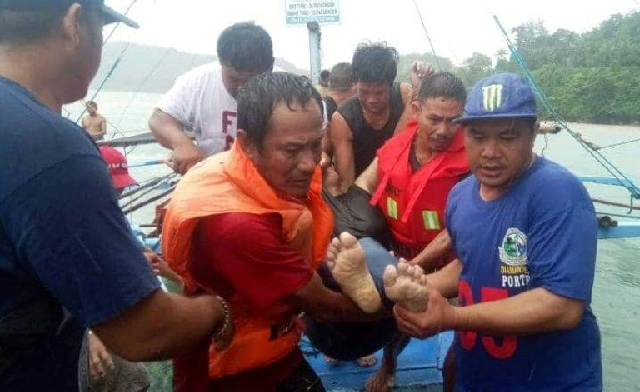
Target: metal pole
(314, 51)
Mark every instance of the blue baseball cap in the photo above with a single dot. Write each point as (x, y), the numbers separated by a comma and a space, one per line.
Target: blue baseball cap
(502, 95)
(109, 15)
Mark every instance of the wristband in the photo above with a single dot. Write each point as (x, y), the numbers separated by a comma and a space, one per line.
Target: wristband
(227, 319)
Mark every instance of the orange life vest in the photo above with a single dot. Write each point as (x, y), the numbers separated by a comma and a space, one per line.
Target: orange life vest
(414, 202)
(229, 182)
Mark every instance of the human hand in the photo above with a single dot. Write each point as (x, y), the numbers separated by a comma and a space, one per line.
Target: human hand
(439, 316)
(100, 361)
(160, 267)
(184, 157)
(419, 71)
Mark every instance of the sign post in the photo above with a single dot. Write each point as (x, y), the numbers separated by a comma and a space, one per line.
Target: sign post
(313, 13)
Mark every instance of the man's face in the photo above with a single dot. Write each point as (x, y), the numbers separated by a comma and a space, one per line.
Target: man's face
(92, 109)
(291, 149)
(499, 150)
(233, 79)
(435, 116)
(374, 96)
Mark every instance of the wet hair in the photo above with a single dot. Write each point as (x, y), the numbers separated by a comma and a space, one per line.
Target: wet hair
(341, 78)
(375, 62)
(442, 85)
(92, 104)
(28, 26)
(246, 47)
(260, 96)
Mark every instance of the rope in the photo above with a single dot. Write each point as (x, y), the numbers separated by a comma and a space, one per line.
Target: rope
(93, 98)
(142, 194)
(426, 32)
(149, 201)
(109, 74)
(619, 144)
(616, 204)
(149, 184)
(623, 180)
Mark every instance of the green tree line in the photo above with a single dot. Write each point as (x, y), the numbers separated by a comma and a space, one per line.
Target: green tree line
(590, 77)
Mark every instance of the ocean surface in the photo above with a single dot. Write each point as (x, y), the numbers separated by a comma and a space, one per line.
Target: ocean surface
(616, 295)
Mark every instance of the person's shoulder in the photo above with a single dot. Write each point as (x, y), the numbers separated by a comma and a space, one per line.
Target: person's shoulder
(555, 187)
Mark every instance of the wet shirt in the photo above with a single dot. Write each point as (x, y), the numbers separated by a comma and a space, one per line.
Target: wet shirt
(199, 101)
(541, 233)
(251, 263)
(63, 242)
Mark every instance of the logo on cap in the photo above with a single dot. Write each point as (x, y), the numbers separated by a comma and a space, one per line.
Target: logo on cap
(492, 97)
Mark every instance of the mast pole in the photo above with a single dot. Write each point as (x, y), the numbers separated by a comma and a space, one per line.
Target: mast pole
(314, 51)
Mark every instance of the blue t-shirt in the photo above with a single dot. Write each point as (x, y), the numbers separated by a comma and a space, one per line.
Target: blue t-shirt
(541, 233)
(62, 237)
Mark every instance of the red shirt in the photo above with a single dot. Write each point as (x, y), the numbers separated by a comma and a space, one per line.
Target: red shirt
(243, 255)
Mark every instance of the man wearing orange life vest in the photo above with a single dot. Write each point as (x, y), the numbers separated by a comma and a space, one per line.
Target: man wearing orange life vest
(251, 225)
(410, 180)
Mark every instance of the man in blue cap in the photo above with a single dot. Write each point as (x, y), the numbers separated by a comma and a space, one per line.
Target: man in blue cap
(68, 260)
(524, 229)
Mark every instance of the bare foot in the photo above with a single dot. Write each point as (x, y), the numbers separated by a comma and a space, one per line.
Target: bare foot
(348, 264)
(367, 361)
(406, 285)
(382, 381)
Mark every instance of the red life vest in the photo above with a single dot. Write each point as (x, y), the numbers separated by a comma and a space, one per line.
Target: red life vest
(414, 202)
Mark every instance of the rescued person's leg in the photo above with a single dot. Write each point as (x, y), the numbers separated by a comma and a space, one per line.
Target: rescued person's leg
(348, 264)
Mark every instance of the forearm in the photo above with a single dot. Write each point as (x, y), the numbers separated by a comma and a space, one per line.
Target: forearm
(162, 326)
(167, 131)
(446, 280)
(437, 249)
(531, 312)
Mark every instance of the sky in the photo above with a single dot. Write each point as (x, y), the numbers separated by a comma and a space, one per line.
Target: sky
(457, 27)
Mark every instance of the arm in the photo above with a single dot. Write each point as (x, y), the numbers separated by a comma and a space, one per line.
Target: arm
(368, 180)
(103, 127)
(168, 132)
(100, 273)
(161, 326)
(435, 251)
(405, 89)
(532, 312)
(341, 141)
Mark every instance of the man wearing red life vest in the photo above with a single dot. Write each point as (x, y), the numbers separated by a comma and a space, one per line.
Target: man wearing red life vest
(410, 180)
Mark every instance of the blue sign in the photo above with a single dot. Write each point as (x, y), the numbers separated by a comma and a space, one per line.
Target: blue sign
(300, 12)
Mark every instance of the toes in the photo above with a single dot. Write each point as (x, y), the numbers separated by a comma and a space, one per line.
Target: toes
(390, 276)
(335, 243)
(402, 268)
(417, 273)
(347, 240)
(423, 280)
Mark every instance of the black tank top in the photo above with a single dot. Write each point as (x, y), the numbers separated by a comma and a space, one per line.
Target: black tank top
(366, 140)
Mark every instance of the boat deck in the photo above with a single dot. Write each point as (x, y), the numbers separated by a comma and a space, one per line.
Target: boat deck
(419, 366)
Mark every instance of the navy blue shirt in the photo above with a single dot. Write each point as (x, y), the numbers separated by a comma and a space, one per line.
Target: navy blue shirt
(63, 237)
(542, 233)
